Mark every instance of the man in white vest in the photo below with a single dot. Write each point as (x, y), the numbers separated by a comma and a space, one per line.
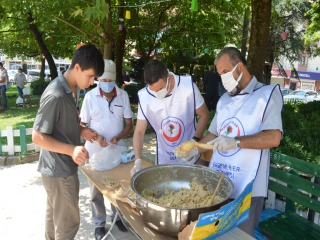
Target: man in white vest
(169, 103)
(246, 125)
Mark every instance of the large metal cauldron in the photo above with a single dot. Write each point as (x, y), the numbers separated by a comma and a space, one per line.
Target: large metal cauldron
(169, 220)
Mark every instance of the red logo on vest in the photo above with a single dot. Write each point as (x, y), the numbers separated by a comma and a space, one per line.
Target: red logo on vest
(172, 130)
(231, 127)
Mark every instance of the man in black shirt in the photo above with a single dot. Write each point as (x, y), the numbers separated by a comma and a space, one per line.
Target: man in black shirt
(211, 83)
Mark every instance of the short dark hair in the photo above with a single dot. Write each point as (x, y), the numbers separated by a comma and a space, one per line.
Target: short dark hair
(154, 71)
(234, 55)
(88, 56)
(1, 64)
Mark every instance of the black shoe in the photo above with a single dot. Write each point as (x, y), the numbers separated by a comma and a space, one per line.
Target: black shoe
(99, 233)
(121, 227)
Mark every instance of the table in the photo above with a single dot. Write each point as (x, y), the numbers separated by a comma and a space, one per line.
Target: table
(122, 174)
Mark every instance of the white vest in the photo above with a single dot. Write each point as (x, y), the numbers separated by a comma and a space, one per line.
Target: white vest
(240, 115)
(172, 118)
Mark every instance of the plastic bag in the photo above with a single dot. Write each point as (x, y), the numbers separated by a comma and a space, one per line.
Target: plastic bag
(108, 158)
(19, 100)
(26, 91)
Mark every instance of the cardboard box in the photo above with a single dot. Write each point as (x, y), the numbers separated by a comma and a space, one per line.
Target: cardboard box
(213, 224)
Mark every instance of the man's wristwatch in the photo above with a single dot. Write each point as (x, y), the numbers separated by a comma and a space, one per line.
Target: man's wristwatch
(196, 138)
(237, 139)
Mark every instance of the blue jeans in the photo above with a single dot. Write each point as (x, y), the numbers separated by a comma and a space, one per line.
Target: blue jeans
(20, 91)
(3, 89)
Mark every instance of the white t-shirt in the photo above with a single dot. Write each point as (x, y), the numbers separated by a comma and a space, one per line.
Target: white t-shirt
(198, 97)
(4, 73)
(106, 121)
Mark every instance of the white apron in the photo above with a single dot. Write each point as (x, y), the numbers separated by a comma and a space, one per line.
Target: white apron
(240, 115)
(172, 118)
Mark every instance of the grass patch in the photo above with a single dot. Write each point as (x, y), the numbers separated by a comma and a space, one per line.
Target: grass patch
(15, 116)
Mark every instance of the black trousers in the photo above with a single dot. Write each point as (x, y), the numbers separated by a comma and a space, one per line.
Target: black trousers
(211, 101)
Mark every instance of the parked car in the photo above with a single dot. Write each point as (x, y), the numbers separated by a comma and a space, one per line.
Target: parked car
(300, 96)
(316, 98)
(286, 91)
(34, 74)
(132, 82)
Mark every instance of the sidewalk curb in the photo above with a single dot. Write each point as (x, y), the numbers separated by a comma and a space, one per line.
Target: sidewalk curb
(15, 160)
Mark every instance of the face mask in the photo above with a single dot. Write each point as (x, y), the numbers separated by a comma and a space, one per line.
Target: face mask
(163, 92)
(107, 86)
(228, 80)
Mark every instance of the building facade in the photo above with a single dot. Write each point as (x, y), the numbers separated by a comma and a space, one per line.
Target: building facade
(31, 63)
(303, 74)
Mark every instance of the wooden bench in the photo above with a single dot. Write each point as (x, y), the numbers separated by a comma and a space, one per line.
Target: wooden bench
(290, 178)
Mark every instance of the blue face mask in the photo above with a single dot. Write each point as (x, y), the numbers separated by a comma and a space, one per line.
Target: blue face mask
(107, 86)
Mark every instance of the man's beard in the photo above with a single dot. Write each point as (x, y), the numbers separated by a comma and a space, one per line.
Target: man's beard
(237, 89)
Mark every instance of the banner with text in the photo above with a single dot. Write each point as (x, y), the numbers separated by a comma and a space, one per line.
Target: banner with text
(213, 224)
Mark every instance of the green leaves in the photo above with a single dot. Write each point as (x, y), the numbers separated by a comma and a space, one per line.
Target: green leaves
(97, 12)
(312, 35)
(301, 133)
(77, 12)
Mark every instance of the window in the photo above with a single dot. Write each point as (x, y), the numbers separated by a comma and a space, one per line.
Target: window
(311, 93)
(303, 59)
(29, 66)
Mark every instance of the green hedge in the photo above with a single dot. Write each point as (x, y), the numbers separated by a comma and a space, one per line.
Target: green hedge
(301, 122)
(39, 86)
(132, 91)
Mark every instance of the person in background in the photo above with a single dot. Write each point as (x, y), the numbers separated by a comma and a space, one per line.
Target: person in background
(211, 83)
(105, 109)
(20, 80)
(169, 103)
(3, 85)
(246, 125)
(57, 131)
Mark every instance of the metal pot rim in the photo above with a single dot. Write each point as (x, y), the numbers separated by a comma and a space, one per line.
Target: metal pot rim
(173, 165)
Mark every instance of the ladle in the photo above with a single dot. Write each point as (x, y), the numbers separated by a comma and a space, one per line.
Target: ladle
(218, 185)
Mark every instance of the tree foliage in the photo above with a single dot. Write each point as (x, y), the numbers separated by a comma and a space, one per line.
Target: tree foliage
(289, 17)
(28, 30)
(180, 36)
(312, 36)
(183, 39)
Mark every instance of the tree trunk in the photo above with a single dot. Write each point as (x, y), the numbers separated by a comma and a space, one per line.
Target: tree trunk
(120, 47)
(107, 53)
(43, 67)
(269, 60)
(43, 48)
(261, 13)
(245, 31)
